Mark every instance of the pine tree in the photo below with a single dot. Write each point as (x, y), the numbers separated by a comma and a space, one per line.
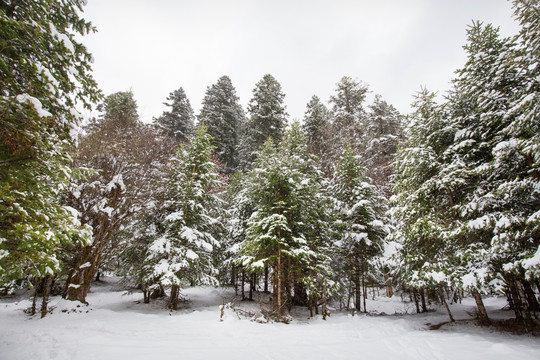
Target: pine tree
(361, 223)
(316, 118)
(348, 117)
(223, 116)
(471, 150)
(465, 183)
(383, 131)
(267, 118)
(288, 229)
(525, 113)
(181, 251)
(177, 122)
(44, 75)
(348, 109)
(239, 209)
(495, 149)
(317, 126)
(120, 108)
(422, 203)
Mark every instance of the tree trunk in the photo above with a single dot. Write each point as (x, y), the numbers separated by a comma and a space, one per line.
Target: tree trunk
(243, 284)
(415, 298)
(266, 279)
(443, 299)
(233, 276)
(349, 295)
(37, 285)
(324, 308)
(251, 286)
(523, 298)
(89, 257)
(482, 313)
(531, 298)
(279, 279)
(46, 291)
(81, 277)
(235, 281)
(146, 294)
(515, 302)
(423, 298)
(364, 284)
(364, 293)
(173, 299)
(357, 285)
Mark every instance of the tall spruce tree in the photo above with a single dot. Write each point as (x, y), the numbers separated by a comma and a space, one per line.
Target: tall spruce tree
(224, 117)
(184, 240)
(465, 180)
(348, 117)
(383, 131)
(44, 75)
(288, 228)
(317, 126)
(422, 204)
(361, 223)
(267, 118)
(348, 108)
(525, 126)
(493, 148)
(179, 120)
(316, 118)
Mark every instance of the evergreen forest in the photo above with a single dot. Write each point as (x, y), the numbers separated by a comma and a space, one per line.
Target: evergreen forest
(321, 213)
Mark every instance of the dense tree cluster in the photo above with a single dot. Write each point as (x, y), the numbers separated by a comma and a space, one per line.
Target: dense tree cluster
(466, 181)
(443, 201)
(44, 74)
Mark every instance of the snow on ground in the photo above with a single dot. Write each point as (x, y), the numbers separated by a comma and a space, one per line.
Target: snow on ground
(117, 325)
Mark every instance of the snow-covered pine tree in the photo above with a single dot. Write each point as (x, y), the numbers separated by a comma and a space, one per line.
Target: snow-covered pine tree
(470, 151)
(267, 118)
(120, 109)
(348, 115)
(422, 203)
(45, 75)
(239, 209)
(317, 127)
(525, 126)
(383, 130)
(288, 229)
(224, 117)
(495, 147)
(316, 118)
(468, 218)
(177, 122)
(361, 224)
(181, 252)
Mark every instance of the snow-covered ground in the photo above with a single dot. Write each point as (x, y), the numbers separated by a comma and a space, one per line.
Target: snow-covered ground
(117, 325)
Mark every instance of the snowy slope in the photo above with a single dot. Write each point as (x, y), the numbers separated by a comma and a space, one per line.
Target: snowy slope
(118, 326)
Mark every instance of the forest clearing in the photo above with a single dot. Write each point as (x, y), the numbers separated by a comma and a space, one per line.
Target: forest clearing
(118, 324)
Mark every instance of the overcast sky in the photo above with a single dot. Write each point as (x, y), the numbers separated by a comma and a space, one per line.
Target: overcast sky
(395, 46)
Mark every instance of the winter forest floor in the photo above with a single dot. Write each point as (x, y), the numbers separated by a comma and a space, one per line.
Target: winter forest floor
(117, 325)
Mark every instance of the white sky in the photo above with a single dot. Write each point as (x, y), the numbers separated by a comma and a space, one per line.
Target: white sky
(395, 46)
